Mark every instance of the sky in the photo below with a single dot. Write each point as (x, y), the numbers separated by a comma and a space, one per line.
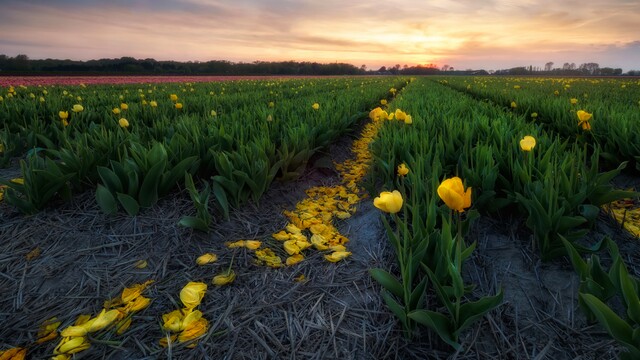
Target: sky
(464, 34)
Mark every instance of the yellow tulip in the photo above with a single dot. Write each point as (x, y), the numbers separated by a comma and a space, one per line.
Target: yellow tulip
(191, 295)
(124, 106)
(214, 113)
(291, 247)
(583, 119)
(153, 103)
(77, 108)
(573, 101)
(48, 330)
(64, 115)
(452, 192)
(173, 97)
(403, 170)
(527, 143)
(390, 202)
(173, 321)
(408, 120)
(236, 244)
(72, 345)
(400, 115)
(252, 244)
(514, 105)
(224, 278)
(315, 106)
(206, 259)
(123, 326)
(124, 123)
(337, 256)
(271, 104)
(383, 102)
(534, 115)
(116, 111)
(178, 106)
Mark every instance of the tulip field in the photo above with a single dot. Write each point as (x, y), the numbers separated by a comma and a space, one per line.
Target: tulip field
(320, 218)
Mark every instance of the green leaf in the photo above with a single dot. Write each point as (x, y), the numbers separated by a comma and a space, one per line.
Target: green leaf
(221, 198)
(629, 293)
(110, 180)
(105, 200)
(129, 204)
(471, 311)
(194, 223)
(395, 308)
(149, 190)
(439, 323)
(614, 325)
(388, 281)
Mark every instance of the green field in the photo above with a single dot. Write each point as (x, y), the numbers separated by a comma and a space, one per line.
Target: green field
(545, 157)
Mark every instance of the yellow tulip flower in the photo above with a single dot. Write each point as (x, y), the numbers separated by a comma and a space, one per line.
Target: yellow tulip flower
(116, 111)
(124, 106)
(573, 101)
(153, 103)
(390, 202)
(206, 259)
(383, 102)
(224, 278)
(104, 319)
(178, 106)
(140, 303)
(514, 105)
(583, 120)
(315, 106)
(74, 331)
(64, 115)
(77, 108)
(16, 353)
(527, 143)
(194, 330)
(131, 293)
(408, 120)
(173, 97)
(124, 123)
(191, 295)
(400, 115)
(452, 192)
(403, 170)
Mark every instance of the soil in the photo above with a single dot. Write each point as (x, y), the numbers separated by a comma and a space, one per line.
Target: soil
(87, 257)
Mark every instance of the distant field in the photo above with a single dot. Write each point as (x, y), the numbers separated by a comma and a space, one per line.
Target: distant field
(87, 80)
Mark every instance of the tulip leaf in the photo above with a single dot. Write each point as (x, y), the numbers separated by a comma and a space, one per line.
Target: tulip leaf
(194, 223)
(395, 308)
(614, 325)
(221, 198)
(105, 200)
(110, 180)
(129, 204)
(471, 311)
(149, 189)
(388, 281)
(437, 322)
(629, 293)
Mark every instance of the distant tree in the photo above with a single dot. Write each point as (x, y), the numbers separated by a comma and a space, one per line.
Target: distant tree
(445, 67)
(382, 69)
(548, 66)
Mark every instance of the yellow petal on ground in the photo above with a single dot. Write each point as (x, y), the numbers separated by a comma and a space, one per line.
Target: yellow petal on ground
(225, 278)
(138, 304)
(123, 325)
(300, 278)
(337, 256)
(191, 294)
(72, 345)
(173, 321)
(302, 245)
(339, 248)
(318, 228)
(281, 236)
(207, 258)
(48, 330)
(194, 331)
(130, 293)
(164, 342)
(104, 319)
(74, 331)
(16, 353)
(319, 242)
(252, 244)
(33, 254)
(82, 319)
(342, 215)
(291, 247)
(141, 264)
(294, 259)
(235, 244)
(293, 229)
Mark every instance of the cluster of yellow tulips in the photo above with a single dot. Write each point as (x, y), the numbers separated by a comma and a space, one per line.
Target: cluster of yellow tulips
(380, 114)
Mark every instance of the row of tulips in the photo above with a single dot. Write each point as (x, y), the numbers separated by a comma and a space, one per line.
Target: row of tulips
(608, 108)
(242, 135)
(512, 165)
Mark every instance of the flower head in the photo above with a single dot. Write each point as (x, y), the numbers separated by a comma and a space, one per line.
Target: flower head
(225, 278)
(452, 192)
(192, 293)
(403, 170)
(64, 115)
(123, 123)
(514, 105)
(178, 106)
(583, 119)
(315, 106)
(173, 97)
(153, 103)
(527, 143)
(77, 108)
(116, 111)
(390, 202)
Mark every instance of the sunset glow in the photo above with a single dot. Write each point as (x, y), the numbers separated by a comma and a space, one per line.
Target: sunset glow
(464, 34)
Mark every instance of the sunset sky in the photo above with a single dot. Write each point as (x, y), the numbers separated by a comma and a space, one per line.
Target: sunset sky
(492, 34)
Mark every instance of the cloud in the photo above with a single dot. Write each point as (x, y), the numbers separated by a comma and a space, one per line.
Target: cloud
(493, 34)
